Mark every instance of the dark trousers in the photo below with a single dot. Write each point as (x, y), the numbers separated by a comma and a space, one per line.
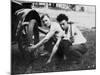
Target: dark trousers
(71, 51)
(48, 46)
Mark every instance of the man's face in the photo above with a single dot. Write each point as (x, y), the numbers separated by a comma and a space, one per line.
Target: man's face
(64, 24)
(46, 21)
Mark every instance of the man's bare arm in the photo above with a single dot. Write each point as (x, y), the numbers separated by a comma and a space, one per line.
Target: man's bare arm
(44, 40)
(55, 48)
(42, 30)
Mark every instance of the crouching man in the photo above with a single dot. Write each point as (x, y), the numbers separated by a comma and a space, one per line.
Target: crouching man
(72, 45)
(54, 31)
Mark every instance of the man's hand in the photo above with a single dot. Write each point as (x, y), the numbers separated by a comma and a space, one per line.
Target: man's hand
(49, 60)
(32, 47)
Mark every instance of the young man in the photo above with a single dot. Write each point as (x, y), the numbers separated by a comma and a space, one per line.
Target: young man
(54, 31)
(73, 43)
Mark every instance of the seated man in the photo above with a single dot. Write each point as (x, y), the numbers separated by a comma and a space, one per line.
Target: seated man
(54, 30)
(73, 43)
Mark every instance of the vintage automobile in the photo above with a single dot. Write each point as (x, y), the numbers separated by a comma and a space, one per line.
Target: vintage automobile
(25, 23)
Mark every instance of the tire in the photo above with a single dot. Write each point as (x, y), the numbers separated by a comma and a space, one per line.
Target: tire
(26, 39)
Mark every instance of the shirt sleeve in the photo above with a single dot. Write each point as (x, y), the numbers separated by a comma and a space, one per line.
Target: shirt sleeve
(53, 27)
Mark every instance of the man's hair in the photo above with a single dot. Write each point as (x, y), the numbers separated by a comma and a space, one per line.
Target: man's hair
(44, 16)
(61, 17)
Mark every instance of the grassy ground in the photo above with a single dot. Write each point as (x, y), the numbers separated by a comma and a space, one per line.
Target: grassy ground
(37, 65)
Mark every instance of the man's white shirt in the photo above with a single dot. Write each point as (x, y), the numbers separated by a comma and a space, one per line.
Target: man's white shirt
(77, 35)
(55, 27)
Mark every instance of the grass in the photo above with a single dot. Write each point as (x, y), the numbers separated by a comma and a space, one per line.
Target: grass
(37, 65)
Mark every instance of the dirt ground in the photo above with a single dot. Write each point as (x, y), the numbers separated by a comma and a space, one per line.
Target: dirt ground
(21, 65)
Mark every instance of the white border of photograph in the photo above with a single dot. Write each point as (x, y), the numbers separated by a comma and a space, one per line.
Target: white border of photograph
(5, 38)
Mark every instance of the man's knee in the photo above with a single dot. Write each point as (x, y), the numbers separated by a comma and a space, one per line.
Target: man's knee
(84, 49)
(65, 43)
(79, 49)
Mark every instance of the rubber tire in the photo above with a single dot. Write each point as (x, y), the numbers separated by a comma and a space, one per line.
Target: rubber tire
(32, 29)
